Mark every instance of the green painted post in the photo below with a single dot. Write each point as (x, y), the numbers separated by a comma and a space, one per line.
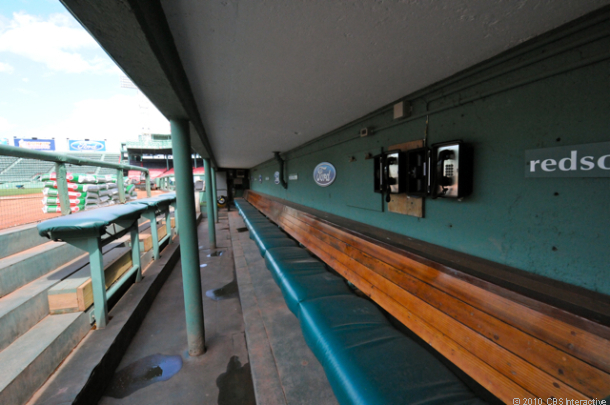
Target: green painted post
(168, 226)
(214, 196)
(176, 217)
(62, 188)
(189, 246)
(98, 282)
(208, 201)
(147, 184)
(135, 251)
(201, 200)
(121, 185)
(150, 215)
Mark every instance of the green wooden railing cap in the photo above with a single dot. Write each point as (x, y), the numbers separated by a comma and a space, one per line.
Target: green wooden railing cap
(91, 222)
(158, 201)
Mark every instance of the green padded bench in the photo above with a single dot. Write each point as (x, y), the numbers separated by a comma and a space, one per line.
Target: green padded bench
(301, 276)
(244, 206)
(85, 230)
(252, 223)
(271, 238)
(367, 361)
(278, 259)
(264, 229)
(266, 234)
(159, 205)
(251, 220)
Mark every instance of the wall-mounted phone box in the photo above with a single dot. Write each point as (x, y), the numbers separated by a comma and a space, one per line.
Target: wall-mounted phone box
(451, 170)
(416, 183)
(443, 171)
(390, 172)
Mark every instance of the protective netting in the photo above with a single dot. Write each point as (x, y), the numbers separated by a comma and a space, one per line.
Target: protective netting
(28, 188)
(21, 190)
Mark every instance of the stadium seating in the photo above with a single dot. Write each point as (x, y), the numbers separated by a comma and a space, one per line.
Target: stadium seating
(25, 170)
(85, 169)
(6, 161)
(110, 158)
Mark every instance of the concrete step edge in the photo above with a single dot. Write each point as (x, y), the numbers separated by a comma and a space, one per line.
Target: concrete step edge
(23, 268)
(28, 305)
(31, 359)
(18, 239)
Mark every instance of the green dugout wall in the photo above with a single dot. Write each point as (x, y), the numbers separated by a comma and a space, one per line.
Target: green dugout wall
(551, 91)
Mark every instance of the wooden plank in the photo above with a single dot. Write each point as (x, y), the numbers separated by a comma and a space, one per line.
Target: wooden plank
(84, 293)
(62, 296)
(146, 237)
(582, 344)
(402, 203)
(513, 367)
(585, 309)
(405, 205)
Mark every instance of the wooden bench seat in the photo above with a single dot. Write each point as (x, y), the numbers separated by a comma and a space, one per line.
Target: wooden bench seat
(366, 360)
(511, 344)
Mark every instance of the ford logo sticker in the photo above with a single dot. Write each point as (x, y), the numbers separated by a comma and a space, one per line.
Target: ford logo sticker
(324, 174)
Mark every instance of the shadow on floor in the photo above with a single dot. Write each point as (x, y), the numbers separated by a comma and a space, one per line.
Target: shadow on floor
(235, 385)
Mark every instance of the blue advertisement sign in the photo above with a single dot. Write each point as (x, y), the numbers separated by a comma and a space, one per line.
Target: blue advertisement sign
(35, 144)
(324, 174)
(87, 146)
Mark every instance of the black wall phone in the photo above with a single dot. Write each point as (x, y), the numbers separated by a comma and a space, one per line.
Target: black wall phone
(390, 173)
(444, 170)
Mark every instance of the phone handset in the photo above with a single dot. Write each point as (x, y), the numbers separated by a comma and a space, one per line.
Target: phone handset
(389, 180)
(445, 171)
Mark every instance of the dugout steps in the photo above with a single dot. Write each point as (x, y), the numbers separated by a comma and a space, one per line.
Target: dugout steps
(34, 343)
(16, 240)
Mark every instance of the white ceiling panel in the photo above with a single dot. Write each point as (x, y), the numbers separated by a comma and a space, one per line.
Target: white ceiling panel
(271, 75)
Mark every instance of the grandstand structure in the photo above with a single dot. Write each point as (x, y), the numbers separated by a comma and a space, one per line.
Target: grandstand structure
(154, 152)
(20, 170)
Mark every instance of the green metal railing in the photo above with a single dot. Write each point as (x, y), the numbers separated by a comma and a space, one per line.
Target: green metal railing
(61, 160)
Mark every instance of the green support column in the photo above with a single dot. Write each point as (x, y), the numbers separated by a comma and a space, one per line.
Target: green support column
(62, 188)
(208, 201)
(189, 246)
(154, 232)
(148, 183)
(201, 199)
(121, 185)
(135, 251)
(214, 196)
(98, 282)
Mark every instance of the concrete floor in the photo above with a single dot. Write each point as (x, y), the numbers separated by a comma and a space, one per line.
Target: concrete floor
(255, 356)
(220, 376)
(284, 369)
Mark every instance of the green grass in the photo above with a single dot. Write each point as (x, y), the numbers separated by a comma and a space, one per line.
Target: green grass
(5, 192)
